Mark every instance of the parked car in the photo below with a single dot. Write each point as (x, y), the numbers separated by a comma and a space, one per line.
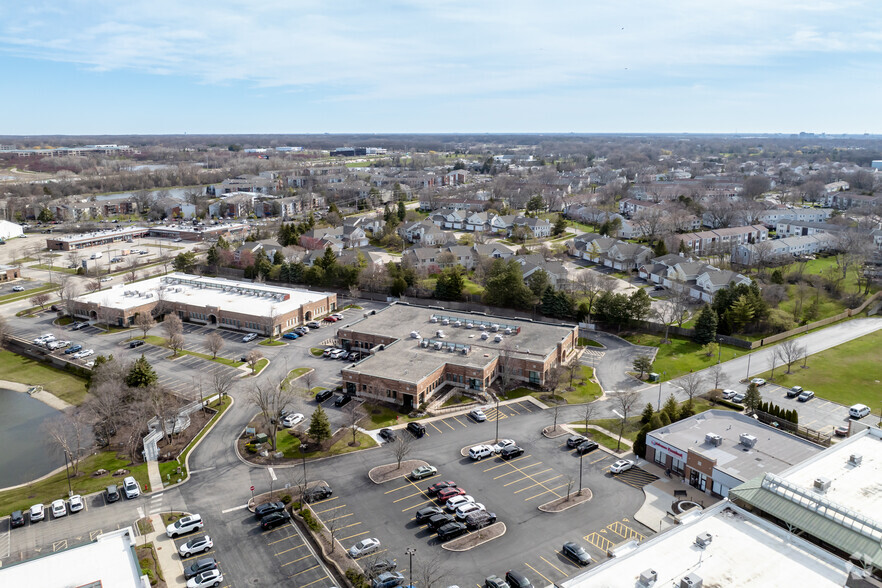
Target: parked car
(423, 472)
(205, 579)
(502, 444)
(387, 435)
(184, 525)
(249, 337)
(418, 429)
(478, 415)
(480, 519)
(758, 381)
(338, 354)
(301, 330)
(586, 446)
(439, 486)
(466, 509)
(196, 545)
(448, 493)
(59, 509)
(337, 316)
(16, 519)
(424, 514)
(18, 288)
(495, 582)
(131, 487)
(292, 420)
(451, 530)
(806, 396)
(794, 391)
(457, 501)
(313, 324)
(73, 349)
(388, 580)
(275, 519)
(438, 521)
(622, 465)
(329, 351)
(479, 452)
(364, 547)
(383, 565)
(516, 579)
(203, 564)
(268, 508)
(858, 411)
(511, 452)
(576, 440)
(76, 503)
(729, 394)
(739, 398)
(111, 493)
(135, 343)
(342, 399)
(330, 319)
(37, 512)
(318, 493)
(79, 325)
(323, 395)
(841, 431)
(576, 553)
(292, 335)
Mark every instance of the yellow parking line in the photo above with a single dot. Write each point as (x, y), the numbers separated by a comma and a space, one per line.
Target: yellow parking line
(546, 492)
(336, 518)
(327, 509)
(460, 422)
(406, 497)
(452, 428)
(601, 459)
(542, 483)
(554, 566)
(314, 504)
(356, 535)
(296, 560)
(538, 572)
(279, 540)
(396, 489)
(416, 505)
(311, 583)
(290, 549)
(370, 554)
(436, 428)
(304, 571)
(521, 479)
(192, 557)
(512, 406)
(347, 526)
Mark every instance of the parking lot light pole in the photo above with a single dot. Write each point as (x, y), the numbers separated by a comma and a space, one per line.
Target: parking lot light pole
(69, 488)
(581, 455)
(410, 552)
(497, 419)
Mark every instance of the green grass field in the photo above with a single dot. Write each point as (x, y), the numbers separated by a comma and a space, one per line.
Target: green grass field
(382, 416)
(682, 355)
(67, 386)
(849, 373)
(289, 445)
(12, 297)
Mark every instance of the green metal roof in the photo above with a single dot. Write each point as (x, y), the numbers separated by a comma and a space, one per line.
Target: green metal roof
(809, 520)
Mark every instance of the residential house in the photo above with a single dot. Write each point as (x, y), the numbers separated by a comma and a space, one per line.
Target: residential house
(700, 280)
(631, 206)
(626, 256)
(493, 250)
(449, 218)
(256, 184)
(539, 227)
(772, 217)
(530, 264)
(705, 243)
(791, 228)
(779, 249)
(848, 200)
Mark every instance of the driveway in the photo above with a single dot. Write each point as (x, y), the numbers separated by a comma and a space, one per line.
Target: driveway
(616, 359)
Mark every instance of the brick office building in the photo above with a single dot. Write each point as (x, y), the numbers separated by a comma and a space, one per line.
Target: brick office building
(241, 306)
(414, 351)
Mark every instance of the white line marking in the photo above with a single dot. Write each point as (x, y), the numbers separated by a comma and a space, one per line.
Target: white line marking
(234, 508)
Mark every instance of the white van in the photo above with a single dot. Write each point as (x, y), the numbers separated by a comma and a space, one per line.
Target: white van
(479, 452)
(859, 411)
(98, 255)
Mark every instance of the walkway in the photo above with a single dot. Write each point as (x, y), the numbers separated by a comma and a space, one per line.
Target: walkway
(172, 570)
(154, 475)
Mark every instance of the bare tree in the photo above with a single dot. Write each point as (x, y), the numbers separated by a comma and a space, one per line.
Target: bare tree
(4, 331)
(591, 284)
(271, 401)
(254, 356)
(716, 372)
(222, 382)
(166, 407)
(400, 448)
(590, 409)
(667, 314)
(214, 343)
(106, 399)
(172, 325)
(93, 286)
(70, 433)
(137, 414)
(334, 524)
(505, 365)
(570, 481)
(308, 380)
(625, 400)
(144, 322)
(176, 342)
(429, 571)
(691, 384)
(353, 416)
(790, 351)
(105, 314)
(40, 300)
(132, 269)
(73, 258)
(68, 292)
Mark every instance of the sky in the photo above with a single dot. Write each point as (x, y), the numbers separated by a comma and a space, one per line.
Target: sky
(440, 66)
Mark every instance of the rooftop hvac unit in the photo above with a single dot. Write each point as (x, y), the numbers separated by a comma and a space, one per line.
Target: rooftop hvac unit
(855, 459)
(747, 440)
(703, 539)
(451, 348)
(469, 326)
(445, 322)
(424, 343)
(434, 319)
(822, 484)
(457, 323)
(415, 334)
(497, 338)
(494, 328)
(464, 351)
(713, 439)
(691, 581)
(485, 335)
(508, 330)
(438, 345)
(648, 577)
(439, 333)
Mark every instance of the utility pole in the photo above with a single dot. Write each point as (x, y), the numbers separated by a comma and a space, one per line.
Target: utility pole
(581, 455)
(69, 488)
(411, 551)
(497, 419)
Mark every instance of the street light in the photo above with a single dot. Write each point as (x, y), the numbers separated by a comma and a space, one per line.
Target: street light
(410, 551)
(497, 420)
(581, 455)
(69, 488)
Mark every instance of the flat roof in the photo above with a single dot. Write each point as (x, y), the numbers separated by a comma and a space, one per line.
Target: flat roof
(189, 228)
(408, 361)
(110, 560)
(745, 551)
(229, 295)
(775, 451)
(97, 234)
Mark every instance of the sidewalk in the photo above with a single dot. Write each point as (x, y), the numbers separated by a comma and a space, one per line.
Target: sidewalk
(166, 553)
(154, 476)
(659, 496)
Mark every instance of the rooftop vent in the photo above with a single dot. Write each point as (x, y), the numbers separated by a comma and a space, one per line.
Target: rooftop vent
(485, 335)
(439, 333)
(424, 343)
(497, 338)
(648, 577)
(713, 439)
(465, 350)
(438, 345)
(822, 484)
(457, 323)
(703, 539)
(445, 322)
(434, 319)
(747, 440)
(855, 459)
(469, 326)
(691, 581)
(508, 331)
(494, 327)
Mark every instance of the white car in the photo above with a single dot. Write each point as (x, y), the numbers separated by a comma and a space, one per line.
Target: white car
(503, 443)
(44, 339)
(478, 415)
(623, 465)
(105, 279)
(338, 354)
(466, 509)
(37, 512)
(184, 525)
(196, 545)
(18, 288)
(131, 487)
(249, 337)
(53, 345)
(208, 578)
(337, 316)
(292, 420)
(728, 394)
(758, 381)
(89, 364)
(83, 353)
(364, 547)
(59, 509)
(457, 501)
(76, 503)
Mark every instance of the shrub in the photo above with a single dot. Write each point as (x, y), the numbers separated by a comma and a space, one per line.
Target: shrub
(286, 499)
(728, 404)
(311, 521)
(356, 578)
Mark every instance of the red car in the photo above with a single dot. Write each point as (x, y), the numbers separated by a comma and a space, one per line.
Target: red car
(330, 319)
(449, 493)
(439, 486)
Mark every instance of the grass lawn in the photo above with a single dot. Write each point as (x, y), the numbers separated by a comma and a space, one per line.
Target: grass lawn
(55, 487)
(602, 438)
(160, 342)
(827, 306)
(472, 288)
(271, 343)
(258, 367)
(317, 351)
(65, 385)
(63, 321)
(585, 389)
(456, 399)
(382, 416)
(27, 294)
(681, 355)
(293, 375)
(289, 445)
(583, 342)
(848, 373)
(54, 268)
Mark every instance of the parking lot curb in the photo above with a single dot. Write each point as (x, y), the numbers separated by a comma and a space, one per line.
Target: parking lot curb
(406, 466)
(501, 527)
(319, 541)
(571, 503)
(192, 449)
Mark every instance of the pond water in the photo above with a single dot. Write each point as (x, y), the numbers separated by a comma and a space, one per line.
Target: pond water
(25, 453)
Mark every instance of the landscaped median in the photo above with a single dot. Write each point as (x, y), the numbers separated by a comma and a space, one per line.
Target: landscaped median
(393, 471)
(566, 502)
(161, 342)
(476, 538)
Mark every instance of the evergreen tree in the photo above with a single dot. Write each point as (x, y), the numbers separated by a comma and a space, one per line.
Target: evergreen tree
(505, 285)
(399, 285)
(752, 400)
(212, 257)
(278, 258)
(671, 409)
(560, 226)
(686, 411)
(319, 425)
(647, 413)
(223, 244)
(612, 308)
(450, 284)
(539, 282)
(296, 271)
(794, 418)
(777, 277)
(639, 305)
(655, 422)
(740, 313)
(665, 419)
(642, 363)
(639, 445)
(185, 262)
(706, 326)
(141, 374)
(660, 248)
(328, 260)
(402, 211)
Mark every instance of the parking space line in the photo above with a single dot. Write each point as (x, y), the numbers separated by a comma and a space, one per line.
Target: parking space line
(436, 428)
(504, 463)
(542, 483)
(352, 536)
(327, 509)
(289, 549)
(599, 541)
(408, 496)
(56, 545)
(304, 571)
(336, 518)
(512, 406)
(296, 560)
(546, 492)
(416, 505)
(314, 581)
(192, 557)
(372, 553)
(93, 534)
(554, 566)
(601, 459)
(526, 476)
(540, 573)
(396, 489)
(280, 540)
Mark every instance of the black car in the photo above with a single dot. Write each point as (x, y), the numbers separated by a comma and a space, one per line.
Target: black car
(424, 514)
(451, 530)
(495, 582)
(135, 343)
(438, 521)
(575, 441)
(480, 519)
(323, 395)
(576, 553)
(318, 493)
(516, 579)
(511, 451)
(342, 399)
(418, 429)
(273, 520)
(268, 508)
(387, 435)
(203, 564)
(586, 446)
(439, 486)
(16, 519)
(383, 565)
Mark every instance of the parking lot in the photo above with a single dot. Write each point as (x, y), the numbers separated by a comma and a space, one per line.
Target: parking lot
(818, 414)
(513, 490)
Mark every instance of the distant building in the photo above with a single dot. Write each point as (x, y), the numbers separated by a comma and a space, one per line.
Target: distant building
(877, 164)
(10, 230)
(9, 272)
